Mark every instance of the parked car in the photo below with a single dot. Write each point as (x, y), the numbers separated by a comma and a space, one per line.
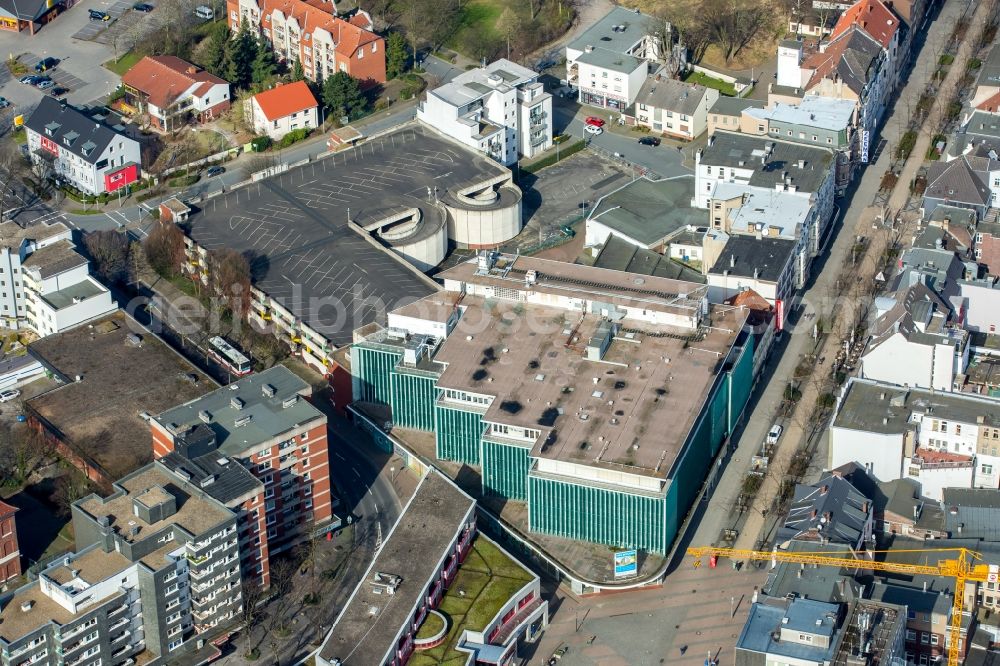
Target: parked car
(143, 7)
(593, 129)
(9, 395)
(4, 102)
(44, 84)
(594, 121)
(649, 141)
(59, 91)
(203, 12)
(774, 434)
(98, 15)
(46, 64)
(214, 171)
(30, 79)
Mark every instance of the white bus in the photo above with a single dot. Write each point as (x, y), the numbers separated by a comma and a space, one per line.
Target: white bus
(229, 356)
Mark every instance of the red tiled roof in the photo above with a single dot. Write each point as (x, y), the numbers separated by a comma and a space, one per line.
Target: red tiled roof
(165, 78)
(934, 456)
(6, 509)
(750, 299)
(871, 16)
(991, 104)
(285, 100)
(347, 36)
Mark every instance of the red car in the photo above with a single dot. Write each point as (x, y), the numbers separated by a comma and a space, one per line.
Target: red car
(595, 121)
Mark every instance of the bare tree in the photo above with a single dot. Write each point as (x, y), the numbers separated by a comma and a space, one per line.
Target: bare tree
(282, 576)
(164, 248)
(230, 273)
(69, 488)
(733, 24)
(109, 251)
(253, 594)
(12, 168)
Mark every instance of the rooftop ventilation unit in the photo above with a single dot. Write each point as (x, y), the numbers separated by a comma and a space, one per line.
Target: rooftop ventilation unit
(240, 422)
(237, 403)
(205, 416)
(268, 390)
(290, 401)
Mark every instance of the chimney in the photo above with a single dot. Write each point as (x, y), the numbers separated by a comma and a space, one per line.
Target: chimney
(824, 490)
(864, 506)
(815, 513)
(925, 586)
(191, 70)
(732, 261)
(802, 164)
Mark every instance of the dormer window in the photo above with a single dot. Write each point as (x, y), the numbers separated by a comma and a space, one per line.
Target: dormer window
(70, 137)
(88, 148)
(52, 128)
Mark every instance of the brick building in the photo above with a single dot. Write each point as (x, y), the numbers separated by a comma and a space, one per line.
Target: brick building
(10, 554)
(322, 42)
(260, 448)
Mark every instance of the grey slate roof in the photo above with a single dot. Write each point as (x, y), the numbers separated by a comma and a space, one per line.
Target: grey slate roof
(831, 510)
(989, 72)
(867, 403)
(743, 255)
(734, 106)
(649, 210)
(223, 478)
(671, 94)
(73, 129)
(620, 255)
(957, 181)
(772, 160)
(828, 584)
(977, 510)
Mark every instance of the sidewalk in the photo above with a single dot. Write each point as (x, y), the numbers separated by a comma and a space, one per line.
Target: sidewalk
(796, 432)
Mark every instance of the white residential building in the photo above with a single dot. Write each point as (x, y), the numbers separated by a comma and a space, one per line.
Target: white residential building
(939, 439)
(912, 343)
(282, 109)
(501, 110)
(80, 148)
(45, 285)
(674, 108)
(610, 61)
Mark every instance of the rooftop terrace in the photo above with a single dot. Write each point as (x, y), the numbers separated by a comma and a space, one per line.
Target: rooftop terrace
(100, 413)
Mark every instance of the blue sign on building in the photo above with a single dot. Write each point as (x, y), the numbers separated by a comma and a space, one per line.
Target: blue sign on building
(626, 563)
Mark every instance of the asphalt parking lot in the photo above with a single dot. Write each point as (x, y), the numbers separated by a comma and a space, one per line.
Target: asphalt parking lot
(97, 30)
(569, 188)
(295, 224)
(80, 61)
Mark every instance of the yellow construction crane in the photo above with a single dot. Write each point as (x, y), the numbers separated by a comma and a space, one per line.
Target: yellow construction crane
(962, 569)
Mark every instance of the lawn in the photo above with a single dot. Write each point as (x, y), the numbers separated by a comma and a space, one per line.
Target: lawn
(709, 82)
(479, 18)
(125, 63)
(486, 580)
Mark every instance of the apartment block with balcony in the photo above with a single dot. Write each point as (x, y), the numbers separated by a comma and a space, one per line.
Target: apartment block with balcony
(137, 589)
(325, 44)
(45, 284)
(501, 110)
(259, 447)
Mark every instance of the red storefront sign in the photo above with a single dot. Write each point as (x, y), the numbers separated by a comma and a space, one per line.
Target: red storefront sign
(50, 145)
(124, 176)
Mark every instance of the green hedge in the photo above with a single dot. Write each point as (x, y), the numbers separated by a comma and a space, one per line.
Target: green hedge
(293, 136)
(260, 143)
(549, 160)
(183, 181)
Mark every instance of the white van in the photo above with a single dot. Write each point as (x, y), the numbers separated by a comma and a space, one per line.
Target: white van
(203, 12)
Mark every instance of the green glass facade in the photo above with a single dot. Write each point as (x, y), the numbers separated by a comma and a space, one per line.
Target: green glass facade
(413, 399)
(596, 514)
(563, 507)
(457, 434)
(372, 370)
(505, 470)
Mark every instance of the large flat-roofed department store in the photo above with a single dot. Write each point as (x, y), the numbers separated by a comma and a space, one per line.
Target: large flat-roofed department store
(566, 386)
